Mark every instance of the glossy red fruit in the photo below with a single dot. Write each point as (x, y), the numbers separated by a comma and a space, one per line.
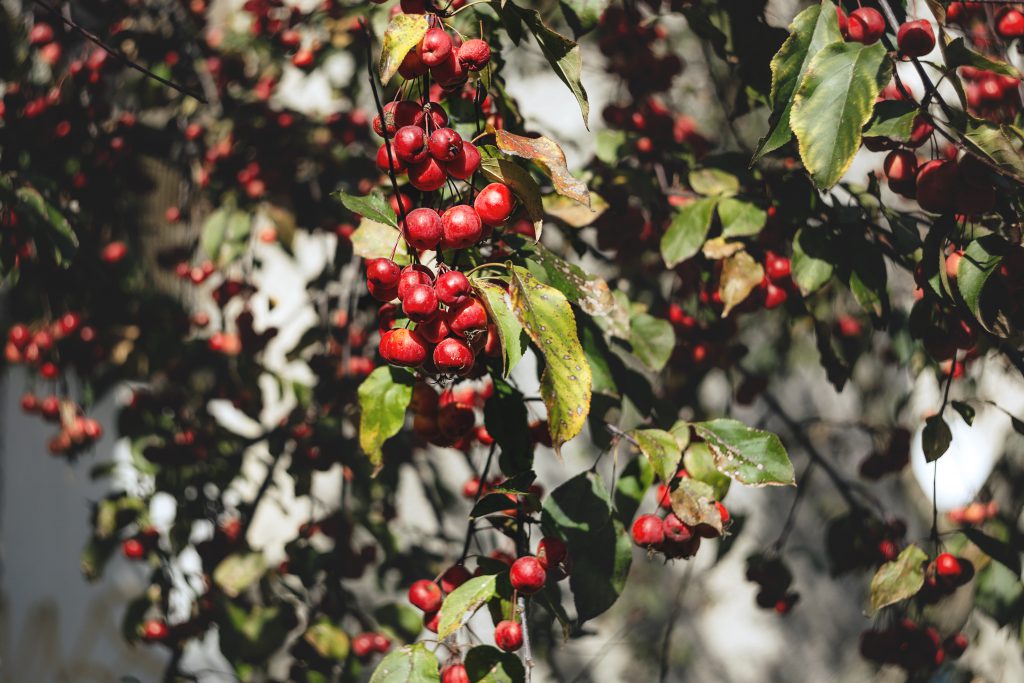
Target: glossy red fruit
(920, 133)
(435, 47)
(955, 645)
(474, 54)
(456, 673)
(900, 166)
(648, 531)
(381, 643)
(674, 529)
(383, 294)
(452, 287)
(551, 552)
(383, 272)
(383, 161)
(403, 347)
(947, 566)
(936, 185)
(434, 330)
(468, 317)
(777, 267)
(133, 549)
(465, 163)
(527, 575)
(362, 646)
(843, 22)
(413, 275)
(774, 296)
(431, 620)
(453, 357)
(413, 6)
(428, 175)
(423, 228)
(420, 303)
(426, 595)
(865, 25)
(915, 38)
(40, 34)
(1010, 24)
(508, 636)
(461, 227)
(445, 144)
(494, 204)
(396, 115)
(154, 630)
(410, 144)
(454, 576)
(450, 73)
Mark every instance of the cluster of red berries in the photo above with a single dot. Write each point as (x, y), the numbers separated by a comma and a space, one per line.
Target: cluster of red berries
(859, 541)
(910, 646)
(365, 645)
(867, 25)
(774, 578)
(990, 94)
(43, 348)
(944, 575)
(670, 535)
(629, 46)
(974, 513)
(892, 459)
(448, 59)
(138, 546)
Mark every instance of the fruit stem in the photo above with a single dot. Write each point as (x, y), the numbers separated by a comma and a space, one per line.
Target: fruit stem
(484, 265)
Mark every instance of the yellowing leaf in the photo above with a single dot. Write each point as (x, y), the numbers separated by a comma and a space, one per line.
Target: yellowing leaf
(383, 398)
(898, 580)
(549, 155)
(741, 275)
(402, 35)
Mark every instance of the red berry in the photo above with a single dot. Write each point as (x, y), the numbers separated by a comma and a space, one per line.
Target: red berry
(412, 66)
(383, 272)
(462, 227)
(435, 47)
(527, 575)
(396, 115)
(431, 620)
(450, 73)
(413, 275)
(383, 161)
(410, 144)
(381, 643)
(865, 25)
(551, 552)
(403, 347)
(937, 182)
(133, 549)
(434, 330)
(456, 673)
(431, 116)
(426, 595)
(445, 144)
(452, 288)
(467, 317)
(494, 204)
(900, 166)
(453, 356)
(774, 296)
(674, 530)
(474, 54)
(40, 34)
(648, 531)
(508, 636)
(777, 267)
(420, 303)
(947, 566)
(362, 645)
(154, 630)
(465, 163)
(915, 38)
(423, 228)
(454, 576)
(427, 175)
(1010, 24)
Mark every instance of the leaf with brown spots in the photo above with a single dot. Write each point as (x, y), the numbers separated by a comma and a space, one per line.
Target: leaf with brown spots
(565, 386)
(402, 35)
(548, 154)
(693, 502)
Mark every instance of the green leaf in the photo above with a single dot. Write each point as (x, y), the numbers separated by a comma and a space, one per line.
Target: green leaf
(810, 263)
(661, 448)
(893, 119)
(965, 410)
(377, 240)
(688, 230)
(652, 339)
(741, 218)
(958, 54)
(700, 465)
(408, 664)
(580, 512)
(328, 640)
(867, 278)
(714, 182)
(936, 438)
(402, 35)
(589, 292)
(399, 620)
(693, 502)
(522, 185)
(996, 143)
(506, 420)
(383, 399)
(373, 206)
(750, 456)
(461, 603)
(632, 485)
(563, 55)
(54, 227)
(486, 664)
(582, 15)
(811, 30)
(565, 386)
(898, 580)
(980, 260)
(998, 550)
(832, 104)
(741, 275)
(499, 309)
(237, 572)
(550, 156)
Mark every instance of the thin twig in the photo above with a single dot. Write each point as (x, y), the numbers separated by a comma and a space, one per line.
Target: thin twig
(120, 56)
(673, 617)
